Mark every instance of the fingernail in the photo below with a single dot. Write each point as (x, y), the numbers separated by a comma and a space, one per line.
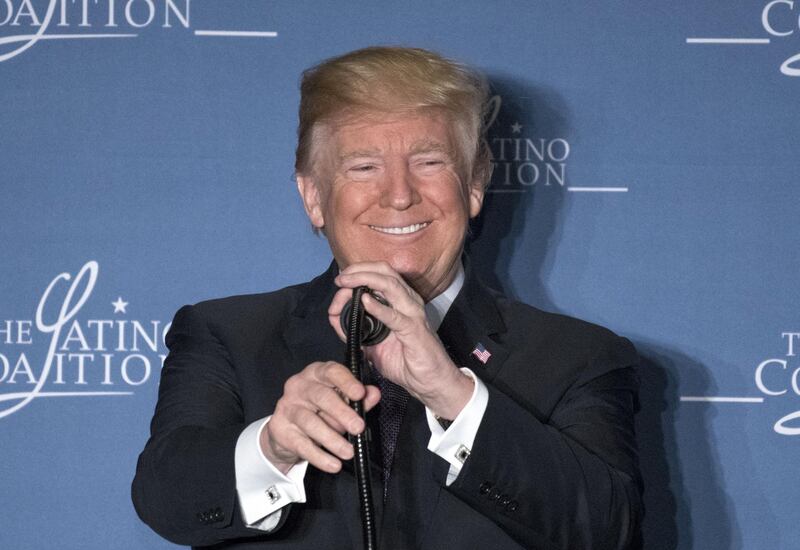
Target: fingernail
(356, 427)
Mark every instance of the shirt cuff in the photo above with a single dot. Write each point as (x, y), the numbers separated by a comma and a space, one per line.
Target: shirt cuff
(263, 490)
(455, 443)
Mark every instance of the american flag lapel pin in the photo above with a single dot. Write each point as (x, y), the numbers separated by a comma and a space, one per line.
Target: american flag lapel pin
(481, 353)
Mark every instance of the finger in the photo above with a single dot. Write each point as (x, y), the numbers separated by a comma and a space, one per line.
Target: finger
(376, 267)
(308, 450)
(329, 401)
(373, 397)
(336, 375)
(340, 299)
(314, 427)
(287, 442)
(401, 296)
(395, 320)
(332, 422)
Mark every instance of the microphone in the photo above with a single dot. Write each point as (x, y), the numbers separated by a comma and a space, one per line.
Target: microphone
(373, 331)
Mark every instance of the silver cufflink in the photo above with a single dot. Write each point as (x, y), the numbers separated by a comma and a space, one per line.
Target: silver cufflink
(272, 494)
(462, 453)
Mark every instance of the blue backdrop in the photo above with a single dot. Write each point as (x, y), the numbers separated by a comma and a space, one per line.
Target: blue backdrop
(647, 156)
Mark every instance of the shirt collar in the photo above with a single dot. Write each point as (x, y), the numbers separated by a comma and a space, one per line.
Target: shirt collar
(436, 309)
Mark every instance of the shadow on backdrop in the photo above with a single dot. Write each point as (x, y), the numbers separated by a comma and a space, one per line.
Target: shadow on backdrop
(517, 212)
(668, 523)
(520, 200)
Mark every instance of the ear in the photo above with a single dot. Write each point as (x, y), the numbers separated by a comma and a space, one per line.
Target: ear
(309, 192)
(475, 198)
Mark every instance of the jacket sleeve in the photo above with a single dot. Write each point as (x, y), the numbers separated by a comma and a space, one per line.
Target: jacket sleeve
(185, 484)
(567, 480)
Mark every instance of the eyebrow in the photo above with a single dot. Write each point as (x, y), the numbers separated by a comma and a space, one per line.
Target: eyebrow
(359, 153)
(429, 146)
(421, 146)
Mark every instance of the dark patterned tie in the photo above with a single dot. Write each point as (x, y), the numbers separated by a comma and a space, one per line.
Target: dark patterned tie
(393, 403)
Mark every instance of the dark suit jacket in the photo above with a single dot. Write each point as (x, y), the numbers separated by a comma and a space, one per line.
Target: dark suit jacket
(554, 462)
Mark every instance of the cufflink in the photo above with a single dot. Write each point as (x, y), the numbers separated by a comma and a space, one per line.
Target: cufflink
(272, 494)
(462, 453)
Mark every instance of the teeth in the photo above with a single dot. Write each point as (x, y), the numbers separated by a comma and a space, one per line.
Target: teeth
(400, 230)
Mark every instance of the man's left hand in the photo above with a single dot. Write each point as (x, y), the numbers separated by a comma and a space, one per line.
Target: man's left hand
(412, 355)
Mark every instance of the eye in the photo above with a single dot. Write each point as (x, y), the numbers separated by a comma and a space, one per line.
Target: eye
(429, 164)
(363, 171)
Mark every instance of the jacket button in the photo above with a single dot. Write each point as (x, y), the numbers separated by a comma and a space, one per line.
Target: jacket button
(494, 494)
(504, 500)
(512, 506)
(484, 488)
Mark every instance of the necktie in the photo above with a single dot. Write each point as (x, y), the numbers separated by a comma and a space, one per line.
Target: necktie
(393, 403)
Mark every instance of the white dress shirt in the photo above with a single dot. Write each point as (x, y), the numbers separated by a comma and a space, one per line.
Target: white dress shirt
(263, 490)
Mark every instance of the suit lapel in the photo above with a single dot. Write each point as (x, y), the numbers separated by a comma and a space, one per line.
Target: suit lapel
(308, 334)
(472, 323)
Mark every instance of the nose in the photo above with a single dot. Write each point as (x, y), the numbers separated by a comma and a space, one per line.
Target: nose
(400, 191)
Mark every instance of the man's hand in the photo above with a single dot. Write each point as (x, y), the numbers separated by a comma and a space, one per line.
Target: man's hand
(311, 416)
(412, 355)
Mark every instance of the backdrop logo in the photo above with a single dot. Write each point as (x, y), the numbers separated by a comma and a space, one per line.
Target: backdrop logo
(780, 19)
(775, 378)
(85, 357)
(522, 161)
(23, 23)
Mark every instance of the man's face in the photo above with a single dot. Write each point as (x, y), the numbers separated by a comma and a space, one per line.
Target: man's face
(386, 189)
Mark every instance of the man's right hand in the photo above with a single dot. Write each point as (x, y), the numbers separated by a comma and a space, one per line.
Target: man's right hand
(312, 415)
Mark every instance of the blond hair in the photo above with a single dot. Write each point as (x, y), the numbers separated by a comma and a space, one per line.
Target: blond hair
(395, 79)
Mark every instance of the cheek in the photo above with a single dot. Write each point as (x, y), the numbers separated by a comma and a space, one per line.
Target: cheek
(345, 206)
(455, 205)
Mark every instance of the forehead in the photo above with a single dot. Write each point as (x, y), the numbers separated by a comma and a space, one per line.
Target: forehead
(383, 133)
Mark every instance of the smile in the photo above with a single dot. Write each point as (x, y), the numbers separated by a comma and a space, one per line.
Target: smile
(408, 229)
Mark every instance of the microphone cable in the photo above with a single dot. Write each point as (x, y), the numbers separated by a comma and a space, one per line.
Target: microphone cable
(352, 318)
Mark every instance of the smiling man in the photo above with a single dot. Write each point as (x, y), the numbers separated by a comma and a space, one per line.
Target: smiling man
(493, 424)
(390, 190)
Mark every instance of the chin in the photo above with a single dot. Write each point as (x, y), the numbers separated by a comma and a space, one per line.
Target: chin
(407, 266)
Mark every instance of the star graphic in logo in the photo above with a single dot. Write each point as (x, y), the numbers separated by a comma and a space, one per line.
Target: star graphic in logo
(516, 128)
(119, 305)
